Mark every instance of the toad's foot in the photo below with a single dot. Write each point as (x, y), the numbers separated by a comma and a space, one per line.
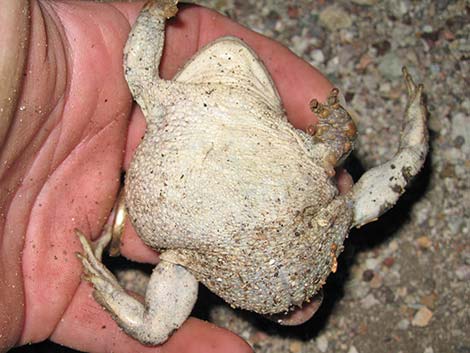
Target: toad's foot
(335, 132)
(379, 188)
(169, 299)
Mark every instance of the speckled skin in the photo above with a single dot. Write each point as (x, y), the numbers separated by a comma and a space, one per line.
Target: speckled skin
(230, 192)
(244, 201)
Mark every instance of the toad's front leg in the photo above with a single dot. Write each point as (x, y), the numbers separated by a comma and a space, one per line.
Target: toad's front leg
(380, 187)
(169, 298)
(143, 53)
(334, 134)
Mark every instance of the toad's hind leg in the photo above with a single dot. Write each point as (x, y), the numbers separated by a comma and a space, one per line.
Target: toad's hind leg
(335, 132)
(379, 188)
(169, 298)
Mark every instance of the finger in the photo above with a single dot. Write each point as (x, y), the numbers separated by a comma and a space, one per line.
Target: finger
(134, 248)
(87, 327)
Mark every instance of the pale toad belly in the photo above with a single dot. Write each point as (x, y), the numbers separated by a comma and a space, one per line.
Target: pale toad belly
(214, 174)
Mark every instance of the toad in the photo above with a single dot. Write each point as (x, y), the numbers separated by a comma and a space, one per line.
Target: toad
(230, 193)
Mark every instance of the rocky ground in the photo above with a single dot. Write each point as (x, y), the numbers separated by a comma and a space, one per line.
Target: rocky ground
(403, 283)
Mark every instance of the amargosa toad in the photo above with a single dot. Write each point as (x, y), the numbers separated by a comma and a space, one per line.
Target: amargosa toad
(232, 194)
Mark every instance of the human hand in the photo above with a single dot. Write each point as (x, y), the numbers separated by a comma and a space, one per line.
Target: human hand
(63, 153)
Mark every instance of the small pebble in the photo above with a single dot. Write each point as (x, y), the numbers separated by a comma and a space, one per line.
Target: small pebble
(448, 35)
(322, 343)
(402, 292)
(435, 68)
(334, 17)
(382, 47)
(460, 128)
(372, 263)
(393, 278)
(352, 349)
(427, 29)
(424, 242)
(422, 317)
(317, 56)
(388, 295)
(385, 87)
(259, 336)
(346, 36)
(299, 44)
(403, 324)
(295, 347)
(358, 289)
(367, 275)
(448, 171)
(363, 328)
(390, 66)
(388, 261)
(364, 61)
(245, 334)
(293, 11)
(442, 4)
(369, 301)
(429, 300)
(393, 246)
(376, 281)
(463, 273)
(399, 7)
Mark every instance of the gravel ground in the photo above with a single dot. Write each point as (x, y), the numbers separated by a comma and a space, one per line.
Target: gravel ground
(403, 282)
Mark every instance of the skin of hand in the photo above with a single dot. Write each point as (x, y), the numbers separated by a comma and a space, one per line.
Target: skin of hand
(67, 129)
